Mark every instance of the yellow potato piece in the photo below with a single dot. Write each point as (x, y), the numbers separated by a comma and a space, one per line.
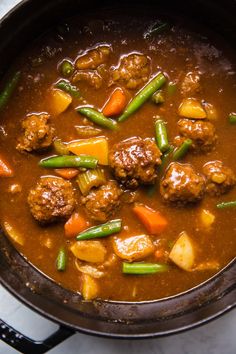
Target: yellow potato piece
(191, 108)
(207, 218)
(59, 101)
(89, 251)
(97, 147)
(89, 288)
(134, 247)
(183, 253)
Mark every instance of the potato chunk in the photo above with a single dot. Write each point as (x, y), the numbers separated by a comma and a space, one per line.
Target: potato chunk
(191, 108)
(59, 101)
(134, 247)
(89, 251)
(183, 253)
(89, 287)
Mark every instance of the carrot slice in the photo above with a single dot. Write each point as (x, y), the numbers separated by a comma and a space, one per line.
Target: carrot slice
(153, 221)
(67, 173)
(75, 225)
(115, 104)
(5, 170)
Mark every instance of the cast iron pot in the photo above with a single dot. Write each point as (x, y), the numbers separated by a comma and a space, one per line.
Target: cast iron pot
(110, 319)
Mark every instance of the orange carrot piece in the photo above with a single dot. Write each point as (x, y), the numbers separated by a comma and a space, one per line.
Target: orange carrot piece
(153, 221)
(159, 253)
(115, 104)
(75, 225)
(5, 170)
(67, 173)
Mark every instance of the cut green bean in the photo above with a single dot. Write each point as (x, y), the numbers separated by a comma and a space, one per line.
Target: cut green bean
(9, 89)
(158, 97)
(144, 268)
(166, 157)
(98, 118)
(161, 135)
(182, 150)
(60, 147)
(86, 161)
(232, 118)
(226, 205)
(61, 260)
(67, 87)
(143, 95)
(104, 230)
(66, 68)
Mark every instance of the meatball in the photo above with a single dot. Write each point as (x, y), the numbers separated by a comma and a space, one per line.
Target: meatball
(134, 161)
(191, 84)
(51, 199)
(93, 58)
(89, 76)
(201, 132)
(102, 203)
(37, 133)
(181, 184)
(133, 71)
(219, 178)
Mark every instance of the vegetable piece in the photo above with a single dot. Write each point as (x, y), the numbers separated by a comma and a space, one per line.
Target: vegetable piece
(89, 288)
(144, 268)
(87, 131)
(153, 221)
(103, 230)
(133, 247)
(97, 147)
(182, 150)
(13, 234)
(210, 111)
(232, 118)
(61, 260)
(66, 68)
(158, 97)
(171, 88)
(69, 161)
(59, 101)
(143, 95)
(98, 118)
(9, 89)
(89, 251)
(207, 218)
(67, 173)
(5, 170)
(60, 147)
(75, 225)
(161, 135)
(166, 158)
(115, 104)
(88, 269)
(191, 108)
(224, 205)
(68, 88)
(90, 179)
(183, 253)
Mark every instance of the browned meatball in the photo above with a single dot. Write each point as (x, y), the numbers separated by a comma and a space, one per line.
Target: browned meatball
(133, 71)
(51, 199)
(134, 161)
(37, 133)
(219, 178)
(102, 203)
(181, 184)
(191, 84)
(93, 58)
(90, 76)
(201, 132)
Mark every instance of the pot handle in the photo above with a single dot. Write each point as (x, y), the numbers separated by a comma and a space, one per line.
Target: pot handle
(27, 345)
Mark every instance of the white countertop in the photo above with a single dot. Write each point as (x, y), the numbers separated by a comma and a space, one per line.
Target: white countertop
(217, 337)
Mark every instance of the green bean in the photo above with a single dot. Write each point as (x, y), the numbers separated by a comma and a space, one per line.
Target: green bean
(143, 95)
(9, 89)
(182, 150)
(150, 190)
(63, 161)
(67, 87)
(161, 135)
(98, 118)
(66, 68)
(104, 230)
(61, 260)
(143, 268)
(225, 205)
(60, 147)
(158, 97)
(232, 118)
(166, 158)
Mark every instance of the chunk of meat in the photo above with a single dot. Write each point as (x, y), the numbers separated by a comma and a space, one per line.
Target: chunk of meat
(134, 247)
(219, 178)
(133, 71)
(51, 199)
(93, 58)
(102, 203)
(202, 134)
(89, 76)
(134, 161)
(191, 84)
(37, 133)
(181, 184)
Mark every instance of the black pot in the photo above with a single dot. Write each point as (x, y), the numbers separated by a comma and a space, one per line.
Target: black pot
(110, 319)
